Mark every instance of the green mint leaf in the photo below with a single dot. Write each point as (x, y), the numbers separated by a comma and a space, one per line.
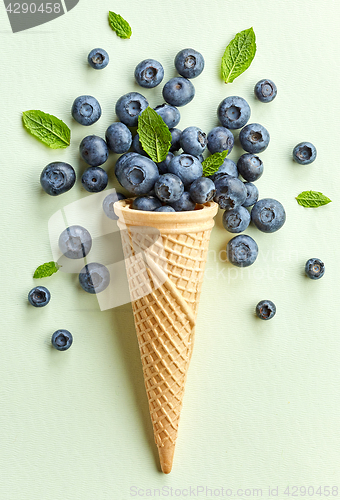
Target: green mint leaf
(46, 269)
(312, 199)
(238, 55)
(154, 135)
(119, 25)
(213, 162)
(47, 128)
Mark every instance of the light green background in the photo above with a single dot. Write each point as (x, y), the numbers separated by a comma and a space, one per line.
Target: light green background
(262, 398)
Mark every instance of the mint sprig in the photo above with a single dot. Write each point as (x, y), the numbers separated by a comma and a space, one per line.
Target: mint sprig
(238, 55)
(154, 135)
(46, 270)
(312, 199)
(119, 25)
(47, 128)
(213, 162)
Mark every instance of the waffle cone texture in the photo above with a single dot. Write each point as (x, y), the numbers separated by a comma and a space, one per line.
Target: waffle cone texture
(165, 256)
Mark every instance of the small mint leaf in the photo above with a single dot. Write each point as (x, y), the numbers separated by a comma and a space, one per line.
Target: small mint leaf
(238, 55)
(312, 199)
(119, 25)
(47, 128)
(213, 162)
(46, 270)
(154, 135)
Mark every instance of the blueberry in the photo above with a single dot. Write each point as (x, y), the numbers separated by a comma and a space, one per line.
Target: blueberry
(137, 174)
(200, 158)
(39, 296)
(137, 147)
(98, 58)
(147, 203)
(122, 161)
(62, 340)
(169, 188)
(230, 192)
(304, 153)
(250, 167)
(265, 309)
(129, 107)
(185, 203)
(178, 91)
(228, 167)
(94, 277)
(86, 110)
(254, 138)
(57, 178)
(94, 150)
(108, 203)
(149, 73)
(171, 116)
(94, 179)
(118, 138)
(268, 215)
(189, 63)
(315, 269)
(252, 194)
(202, 190)
(166, 208)
(242, 251)
(265, 90)
(186, 167)
(175, 138)
(75, 242)
(233, 112)
(193, 141)
(236, 220)
(220, 139)
(163, 165)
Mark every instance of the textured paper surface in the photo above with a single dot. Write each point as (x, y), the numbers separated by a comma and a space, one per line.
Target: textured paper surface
(262, 398)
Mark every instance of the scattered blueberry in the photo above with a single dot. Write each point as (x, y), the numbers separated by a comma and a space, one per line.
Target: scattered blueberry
(122, 161)
(228, 167)
(147, 203)
(265, 309)
(129, 107)
(242, 250)
(230, 192)
(169, 188)
(268, 215)
(94, 179)
(108, 203)
(304, 153)
(250, 167)
(187, 167)
(149, 73)
(163, 165)
(233, 112)
(57, 178)
(137, 174)
(252, 194)
(86, 110)
(265, 90)
(315, 269)
(178, 91)
(39, 296)
(254, 138)
(75, 242)
(94, 150)
(98, 58)
(118, 138)
(200, 158)
(62, 340)
(137, 147)
(236, 220)
(189, 63)
(185, 203)
(220, 139)
(94, 277)
(166, 208)
(202, 190)
(193, 141)
(175, 138)
(171, 115)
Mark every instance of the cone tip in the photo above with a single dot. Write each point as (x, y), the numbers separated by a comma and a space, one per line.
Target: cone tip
(166, 456)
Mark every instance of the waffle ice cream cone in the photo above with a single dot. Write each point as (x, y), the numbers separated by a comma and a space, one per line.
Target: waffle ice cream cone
(165, 255)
